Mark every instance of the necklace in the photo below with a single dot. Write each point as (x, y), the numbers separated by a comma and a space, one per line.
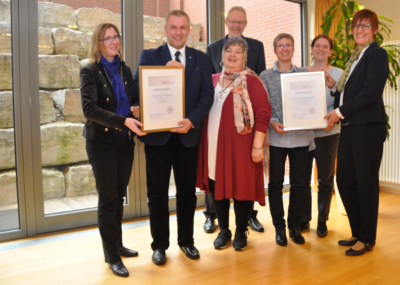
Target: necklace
(220, 94)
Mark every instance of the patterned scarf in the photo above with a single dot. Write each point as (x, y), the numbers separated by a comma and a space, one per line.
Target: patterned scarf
(121, 99)
(354, 56)
(242, 107)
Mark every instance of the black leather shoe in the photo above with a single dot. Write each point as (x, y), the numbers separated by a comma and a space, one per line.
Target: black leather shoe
(367, 247)
(322, 233)
(159, 257)
(255, 225)
(280, 237)
(345, 242)
(297, 236)
(126, 252)
(191, 251)
(322, 230)
(209, 226)
(304, 226)
(119, 269)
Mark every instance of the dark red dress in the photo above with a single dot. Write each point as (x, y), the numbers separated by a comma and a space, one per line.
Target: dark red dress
(236, 175)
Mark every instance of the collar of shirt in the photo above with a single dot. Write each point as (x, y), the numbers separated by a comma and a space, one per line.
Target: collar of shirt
(182, 57)
(276, 69)
(351, 71)
(227, 37)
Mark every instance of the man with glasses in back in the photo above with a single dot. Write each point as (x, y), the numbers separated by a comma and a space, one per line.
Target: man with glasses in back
(236, 22)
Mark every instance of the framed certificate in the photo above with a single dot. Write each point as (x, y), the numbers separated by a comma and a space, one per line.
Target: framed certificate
(303, 100)
(162, 97)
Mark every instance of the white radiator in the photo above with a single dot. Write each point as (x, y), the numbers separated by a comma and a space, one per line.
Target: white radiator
(390, 167)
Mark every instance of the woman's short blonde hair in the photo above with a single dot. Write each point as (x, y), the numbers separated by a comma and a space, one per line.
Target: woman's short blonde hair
(94, 54)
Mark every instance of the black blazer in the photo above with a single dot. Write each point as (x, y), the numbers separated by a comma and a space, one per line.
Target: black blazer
(362, 99)
(199, 91)
(255, 56)
(98, 102)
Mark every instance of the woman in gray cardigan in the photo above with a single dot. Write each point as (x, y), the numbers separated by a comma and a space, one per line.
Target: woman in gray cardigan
(294, 144)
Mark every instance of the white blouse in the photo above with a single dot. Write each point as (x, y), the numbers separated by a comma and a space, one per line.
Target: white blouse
(214, 119)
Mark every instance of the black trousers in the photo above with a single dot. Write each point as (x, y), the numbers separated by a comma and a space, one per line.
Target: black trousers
(242, 210)
(325, 156)
(112, 167)
(359, 159)
(159, 161)
(209, 212)
(297, 160)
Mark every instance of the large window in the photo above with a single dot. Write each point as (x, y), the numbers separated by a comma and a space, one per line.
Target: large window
(267, 19)
(9, 206)
(46, 182)
(65, 29)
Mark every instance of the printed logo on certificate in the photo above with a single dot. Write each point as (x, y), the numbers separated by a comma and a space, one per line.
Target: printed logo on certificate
(303, 100)
(162, 97)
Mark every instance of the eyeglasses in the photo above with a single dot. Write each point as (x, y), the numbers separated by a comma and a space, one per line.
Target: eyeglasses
(112, 39)
(284, 46)
(364, 26)
(241, 23)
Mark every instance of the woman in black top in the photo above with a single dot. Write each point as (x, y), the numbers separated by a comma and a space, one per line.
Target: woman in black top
(106, 103)
(359, 105)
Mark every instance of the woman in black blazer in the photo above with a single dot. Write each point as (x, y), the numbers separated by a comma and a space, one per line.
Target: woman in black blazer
(359, 106)
(106, 103)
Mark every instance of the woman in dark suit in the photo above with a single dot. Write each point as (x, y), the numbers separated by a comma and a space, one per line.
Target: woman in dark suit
(106, 103)
(359, 105)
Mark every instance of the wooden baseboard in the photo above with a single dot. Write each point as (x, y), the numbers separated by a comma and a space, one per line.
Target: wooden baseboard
(389, 187)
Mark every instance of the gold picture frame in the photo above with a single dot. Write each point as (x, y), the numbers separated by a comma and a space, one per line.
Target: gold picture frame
(162, 97)
(303, 100)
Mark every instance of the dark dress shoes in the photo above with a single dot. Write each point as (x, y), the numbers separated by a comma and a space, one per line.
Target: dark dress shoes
(280, 237)
(304, 226)
(191, 251)
(322, 230)
(322, 233)
(255, 225)
(297, 236)
(119, 269)
(209, 226)
(345, 242)
(126, 252)
(367, 247)
(159, 257)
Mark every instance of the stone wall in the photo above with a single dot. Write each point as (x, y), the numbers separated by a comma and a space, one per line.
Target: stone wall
(64, 39)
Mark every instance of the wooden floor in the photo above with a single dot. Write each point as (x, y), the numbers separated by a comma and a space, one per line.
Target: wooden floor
(318, 261)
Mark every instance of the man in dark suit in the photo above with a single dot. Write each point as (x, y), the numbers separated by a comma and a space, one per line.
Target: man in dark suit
(235, 21)
(179, 147)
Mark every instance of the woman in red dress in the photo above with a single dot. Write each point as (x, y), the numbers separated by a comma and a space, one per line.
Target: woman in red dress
(233, 147)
